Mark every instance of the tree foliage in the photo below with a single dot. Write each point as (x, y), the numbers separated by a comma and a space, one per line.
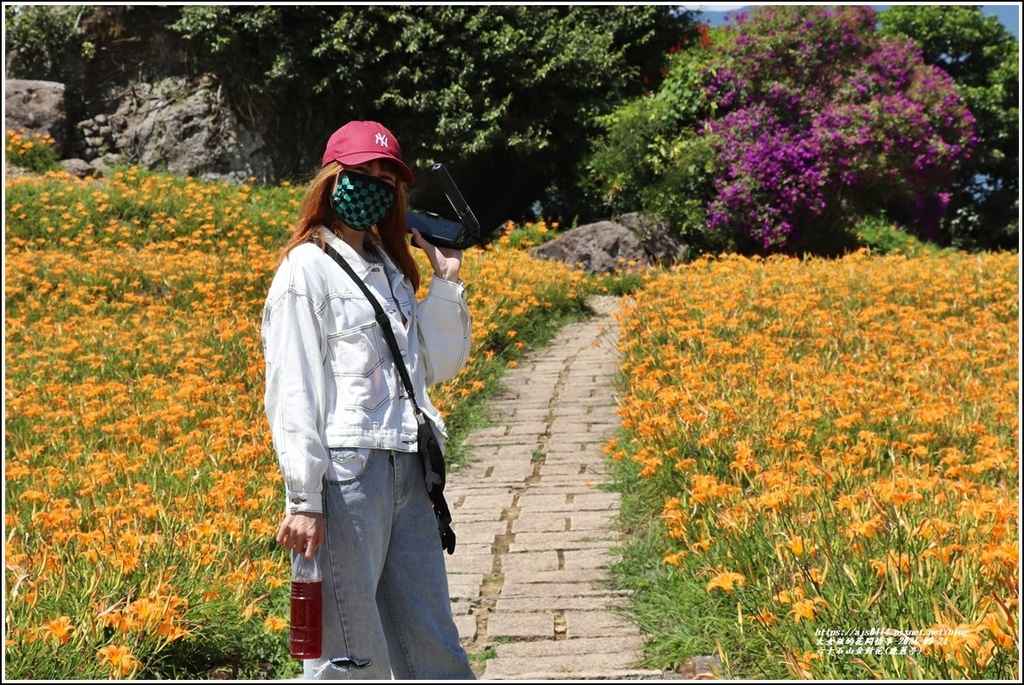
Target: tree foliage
(651, 155)
(505, 96)
(46, 37)
(983, 59)
(811, 121)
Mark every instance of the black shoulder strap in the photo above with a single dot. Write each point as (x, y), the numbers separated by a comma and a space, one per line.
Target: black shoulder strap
(435, 485)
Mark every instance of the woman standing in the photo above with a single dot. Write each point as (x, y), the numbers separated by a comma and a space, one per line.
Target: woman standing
(343, 429)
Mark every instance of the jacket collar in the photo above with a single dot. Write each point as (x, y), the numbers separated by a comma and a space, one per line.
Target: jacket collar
(358, 264)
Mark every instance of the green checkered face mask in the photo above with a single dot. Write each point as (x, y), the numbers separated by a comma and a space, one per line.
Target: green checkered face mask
(361, 200)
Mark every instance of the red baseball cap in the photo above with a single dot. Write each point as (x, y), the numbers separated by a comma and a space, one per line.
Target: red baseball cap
(360, 141)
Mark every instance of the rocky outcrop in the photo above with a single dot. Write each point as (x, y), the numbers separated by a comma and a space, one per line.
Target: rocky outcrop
(602, 247)
(660, 244)
(178, 125)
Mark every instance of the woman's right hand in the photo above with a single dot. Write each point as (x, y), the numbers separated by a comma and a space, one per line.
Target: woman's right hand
(302, 533)
(445, 261)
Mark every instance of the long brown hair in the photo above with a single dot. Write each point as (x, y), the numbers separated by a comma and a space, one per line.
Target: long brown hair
(316, 211)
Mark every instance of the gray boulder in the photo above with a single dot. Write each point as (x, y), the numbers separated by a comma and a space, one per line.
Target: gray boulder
(78, 167)
(632, 243)
(38, 107)
(602, 247)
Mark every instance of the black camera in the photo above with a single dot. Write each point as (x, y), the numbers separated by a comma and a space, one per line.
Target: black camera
(441, 231)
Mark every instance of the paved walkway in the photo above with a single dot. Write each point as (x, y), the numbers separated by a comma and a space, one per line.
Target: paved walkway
(528, 577)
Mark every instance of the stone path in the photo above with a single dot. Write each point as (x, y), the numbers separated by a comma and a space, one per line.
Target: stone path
(528, 577)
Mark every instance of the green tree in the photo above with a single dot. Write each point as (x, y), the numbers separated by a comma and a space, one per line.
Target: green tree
(650, 154)
(47, 39)
(983, 59)
(267, 59)
(506, 96)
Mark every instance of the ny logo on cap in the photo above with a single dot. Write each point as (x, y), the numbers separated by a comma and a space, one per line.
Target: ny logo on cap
(381, 139)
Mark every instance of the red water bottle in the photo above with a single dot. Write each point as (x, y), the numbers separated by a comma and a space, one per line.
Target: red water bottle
(307, 609)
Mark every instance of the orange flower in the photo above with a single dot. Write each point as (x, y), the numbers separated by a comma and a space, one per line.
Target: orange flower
(786, 597)
(803, 609)
(59, 629)
(676, 558)
(726, 580)
(763, 617)
(117, 620)
(745, 460)
(944, 553)
(275, 624)
(172, 632)
(866, 529)
(702, 545)
(806, 608)
(996, 626)
(796, 545)
(800, 665)
(119, 658)
(34, 496)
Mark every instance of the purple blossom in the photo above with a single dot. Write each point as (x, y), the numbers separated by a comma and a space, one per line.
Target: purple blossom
(819, 116)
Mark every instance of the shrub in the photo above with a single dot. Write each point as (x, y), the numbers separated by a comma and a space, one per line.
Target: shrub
(800, 119)
(820, 119)
(882, 236)
(651, 156)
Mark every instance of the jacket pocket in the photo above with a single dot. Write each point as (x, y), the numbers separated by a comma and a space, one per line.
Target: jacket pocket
(359, 369)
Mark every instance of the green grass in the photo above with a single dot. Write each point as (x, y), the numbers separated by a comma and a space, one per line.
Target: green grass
(678, 618)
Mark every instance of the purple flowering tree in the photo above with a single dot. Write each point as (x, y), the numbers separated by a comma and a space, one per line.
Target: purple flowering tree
(820, 120)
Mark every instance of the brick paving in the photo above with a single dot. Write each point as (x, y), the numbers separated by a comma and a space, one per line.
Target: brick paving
(529, 577)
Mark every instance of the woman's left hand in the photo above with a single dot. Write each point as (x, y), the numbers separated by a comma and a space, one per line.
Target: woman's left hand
(445, 261)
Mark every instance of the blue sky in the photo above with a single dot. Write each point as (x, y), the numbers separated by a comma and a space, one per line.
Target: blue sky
(1007, 13)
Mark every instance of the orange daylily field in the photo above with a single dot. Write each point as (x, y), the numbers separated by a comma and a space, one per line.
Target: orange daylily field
(142, 494)
(829, 444)
(834, 450)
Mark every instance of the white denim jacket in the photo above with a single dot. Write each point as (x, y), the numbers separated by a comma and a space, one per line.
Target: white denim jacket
(330, 378)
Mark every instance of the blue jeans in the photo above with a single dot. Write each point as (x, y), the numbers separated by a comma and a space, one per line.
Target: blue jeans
(387, 611)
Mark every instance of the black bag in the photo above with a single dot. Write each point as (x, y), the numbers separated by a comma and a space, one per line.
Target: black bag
(427, 445)
(433, 465)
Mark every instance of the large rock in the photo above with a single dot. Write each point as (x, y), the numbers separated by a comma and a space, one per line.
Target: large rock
(631, 243)
(602, 247)
(178, 125)
(38, 107)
